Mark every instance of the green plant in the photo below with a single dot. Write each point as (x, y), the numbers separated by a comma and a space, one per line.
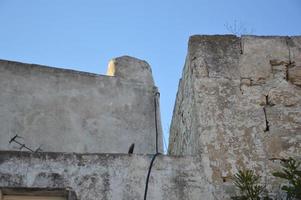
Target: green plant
(290, 173)
(248, 184)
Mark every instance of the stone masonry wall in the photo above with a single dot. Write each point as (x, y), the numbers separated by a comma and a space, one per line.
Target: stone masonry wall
(69, 111)
(239, 105)
(105, 176)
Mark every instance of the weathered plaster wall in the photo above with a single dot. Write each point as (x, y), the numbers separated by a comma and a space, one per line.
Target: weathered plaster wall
(71, 111)
(239, 105)
(106, 176)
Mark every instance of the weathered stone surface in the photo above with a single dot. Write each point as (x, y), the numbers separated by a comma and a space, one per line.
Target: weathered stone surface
(107, 176)
(295, 50)
(70, 111)
(284, 96)
(238, 120)
(259, 53)
(294, 75)
(214, 56)
(183, 132)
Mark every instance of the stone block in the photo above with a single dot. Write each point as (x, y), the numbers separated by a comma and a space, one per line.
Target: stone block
(259, 53)
(294, 75)
(283, 119)
(215, 56)
(283, 96)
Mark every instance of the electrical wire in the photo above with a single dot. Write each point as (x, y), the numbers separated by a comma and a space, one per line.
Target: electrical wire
(157, 95)
(148, 174)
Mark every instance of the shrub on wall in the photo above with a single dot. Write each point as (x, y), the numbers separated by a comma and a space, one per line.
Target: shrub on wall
(292, 175)
(247, 182)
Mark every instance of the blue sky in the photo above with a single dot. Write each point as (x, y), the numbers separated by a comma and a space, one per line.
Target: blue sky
(85, 34)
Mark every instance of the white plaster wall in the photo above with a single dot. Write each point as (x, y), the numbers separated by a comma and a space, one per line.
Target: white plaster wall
(69, 111)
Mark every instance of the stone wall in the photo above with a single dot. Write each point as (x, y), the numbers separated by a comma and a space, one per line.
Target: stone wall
(69, 111)
(105, 176)
(239, 106)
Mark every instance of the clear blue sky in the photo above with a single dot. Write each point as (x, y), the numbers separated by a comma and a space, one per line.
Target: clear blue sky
(85, 34)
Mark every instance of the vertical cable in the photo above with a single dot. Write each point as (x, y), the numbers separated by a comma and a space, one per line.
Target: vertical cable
(157, 95)
(148, 174)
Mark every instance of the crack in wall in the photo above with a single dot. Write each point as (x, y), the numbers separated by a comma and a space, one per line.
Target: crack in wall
(241, 46)
(291, 64)
(287, 39)
(268, 102)
(240, 89)
(267, 125)
(286, 71)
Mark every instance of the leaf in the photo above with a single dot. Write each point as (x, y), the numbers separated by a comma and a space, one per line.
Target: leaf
(298, 173)
(280, 175)
(239, 198)
(286, 188)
